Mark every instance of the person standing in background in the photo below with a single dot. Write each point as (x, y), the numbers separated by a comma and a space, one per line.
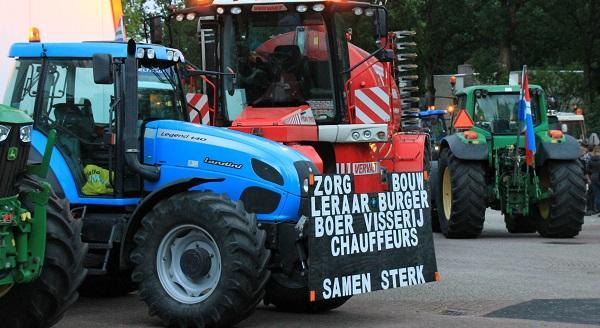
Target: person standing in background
(594, 178)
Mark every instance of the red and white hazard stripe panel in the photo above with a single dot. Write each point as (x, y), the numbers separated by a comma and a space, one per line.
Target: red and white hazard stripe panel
(200, 103)
(372, 105)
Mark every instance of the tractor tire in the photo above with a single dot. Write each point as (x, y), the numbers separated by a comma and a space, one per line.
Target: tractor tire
(43, 302)
(295, 298)
(433, 187)
(200, 261)
(519, 224)
(461, 196)
(561, 216)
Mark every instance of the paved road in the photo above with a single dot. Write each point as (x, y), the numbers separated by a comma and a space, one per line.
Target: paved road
(494, 281)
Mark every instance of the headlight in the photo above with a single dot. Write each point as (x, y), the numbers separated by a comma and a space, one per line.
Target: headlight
(25, 133)
(305, 186)
(319, 7)
(4, 131)
(305, 169)
(150, 53)
(139, 53)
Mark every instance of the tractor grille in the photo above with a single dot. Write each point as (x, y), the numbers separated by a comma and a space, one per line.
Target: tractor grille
(11, 168)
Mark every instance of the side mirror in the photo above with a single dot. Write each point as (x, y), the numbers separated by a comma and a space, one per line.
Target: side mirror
(156, 30)
(381, 24)
(102, 68)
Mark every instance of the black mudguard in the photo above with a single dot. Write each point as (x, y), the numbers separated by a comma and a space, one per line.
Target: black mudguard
(567, 150)
(466, 151)
(147, 204)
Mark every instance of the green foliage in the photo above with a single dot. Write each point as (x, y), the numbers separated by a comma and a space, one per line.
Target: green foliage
(136, 11)
(547, 35)
(565, 86)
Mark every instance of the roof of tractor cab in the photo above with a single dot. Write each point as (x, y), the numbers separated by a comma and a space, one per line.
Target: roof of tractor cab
(434, 112)
(496, 88)
(81, 49)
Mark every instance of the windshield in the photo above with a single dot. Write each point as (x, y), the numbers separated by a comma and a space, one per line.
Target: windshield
(436, 126)
(159, 94)
(23, 85)
(75, 105)
(281, 60)
(573, 128)
(499, 112)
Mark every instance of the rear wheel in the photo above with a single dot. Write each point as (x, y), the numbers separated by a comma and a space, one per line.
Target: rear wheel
(461, 196)
(519, 224)
(561, 216)
(200, 261)
(43, 302)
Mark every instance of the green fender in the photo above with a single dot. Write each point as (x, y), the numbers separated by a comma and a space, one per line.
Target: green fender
(473, 150)
(565, 149)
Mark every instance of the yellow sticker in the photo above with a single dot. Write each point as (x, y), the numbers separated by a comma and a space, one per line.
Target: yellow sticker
(316, 40)
(25, 216)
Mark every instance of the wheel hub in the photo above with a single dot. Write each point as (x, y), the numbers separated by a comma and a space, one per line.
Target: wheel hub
(188, 264)
(447, 193)
(195, 263)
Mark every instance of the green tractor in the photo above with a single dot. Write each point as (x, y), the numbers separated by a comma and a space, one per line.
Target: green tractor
(41, 253)
(482, 164)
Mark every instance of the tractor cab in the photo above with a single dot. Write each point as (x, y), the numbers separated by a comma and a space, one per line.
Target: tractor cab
(273, 65)
(60, 92)
(494, 110)
(569, 123)
(433, 122)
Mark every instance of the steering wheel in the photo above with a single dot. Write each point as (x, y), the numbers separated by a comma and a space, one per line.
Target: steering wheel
(279, 60)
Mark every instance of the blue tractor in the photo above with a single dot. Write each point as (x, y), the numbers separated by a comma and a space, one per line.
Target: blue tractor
(161, 198)
(434, 123)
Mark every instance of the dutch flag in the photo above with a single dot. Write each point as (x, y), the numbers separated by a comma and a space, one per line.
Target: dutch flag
(526, 117)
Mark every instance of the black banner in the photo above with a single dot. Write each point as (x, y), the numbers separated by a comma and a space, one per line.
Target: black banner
(359, 243)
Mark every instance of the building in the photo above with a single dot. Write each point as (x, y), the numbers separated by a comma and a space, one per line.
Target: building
(57, 21)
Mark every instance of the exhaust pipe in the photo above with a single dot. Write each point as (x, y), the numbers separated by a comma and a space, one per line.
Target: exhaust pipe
(130, 116)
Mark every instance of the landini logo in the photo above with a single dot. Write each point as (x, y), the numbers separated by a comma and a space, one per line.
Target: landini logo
(232, 165)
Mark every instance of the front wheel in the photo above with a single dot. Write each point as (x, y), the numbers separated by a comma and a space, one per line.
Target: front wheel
(43, 302)
(200, 260)
(561, 216)
(519, 224)
(461, 196)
